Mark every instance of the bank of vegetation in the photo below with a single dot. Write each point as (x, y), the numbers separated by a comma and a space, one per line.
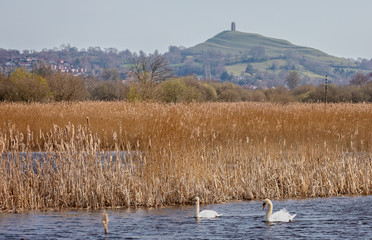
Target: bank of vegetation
(44, 85)
(174, 152)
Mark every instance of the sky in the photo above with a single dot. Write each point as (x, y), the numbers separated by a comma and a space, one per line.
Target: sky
(337, 27)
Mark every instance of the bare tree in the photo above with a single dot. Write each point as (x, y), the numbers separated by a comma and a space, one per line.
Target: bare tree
(359, 79)
(292, 79)
(148, 71)
(66, 87)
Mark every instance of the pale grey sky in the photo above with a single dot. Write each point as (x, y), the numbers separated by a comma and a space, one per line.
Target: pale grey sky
(337, 27)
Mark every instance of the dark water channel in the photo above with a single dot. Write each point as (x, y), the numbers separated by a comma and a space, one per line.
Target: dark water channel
(321, 218)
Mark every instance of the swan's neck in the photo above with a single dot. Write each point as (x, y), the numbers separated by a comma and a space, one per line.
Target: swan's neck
(269, 210)
(197, 209)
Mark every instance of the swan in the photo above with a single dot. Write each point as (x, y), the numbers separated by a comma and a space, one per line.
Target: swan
(280, 216)
(204, 213)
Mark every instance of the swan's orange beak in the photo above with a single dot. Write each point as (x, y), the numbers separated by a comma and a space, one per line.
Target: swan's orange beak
(263, 206)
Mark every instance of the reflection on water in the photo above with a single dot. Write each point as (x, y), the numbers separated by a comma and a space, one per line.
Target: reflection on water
(321, 218)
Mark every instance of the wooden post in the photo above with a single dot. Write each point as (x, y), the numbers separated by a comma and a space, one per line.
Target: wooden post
(326, 90)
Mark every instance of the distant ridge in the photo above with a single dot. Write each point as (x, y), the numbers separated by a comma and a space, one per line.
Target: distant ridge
(251, 58)
(236, 42)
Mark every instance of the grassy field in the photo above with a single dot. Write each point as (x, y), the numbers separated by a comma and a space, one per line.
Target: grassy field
(239, 68)
(236, 69)
(217, 151)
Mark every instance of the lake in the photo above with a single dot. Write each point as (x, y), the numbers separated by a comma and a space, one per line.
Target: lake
(318, 218)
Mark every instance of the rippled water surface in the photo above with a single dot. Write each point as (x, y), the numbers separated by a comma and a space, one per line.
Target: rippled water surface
(322, 218)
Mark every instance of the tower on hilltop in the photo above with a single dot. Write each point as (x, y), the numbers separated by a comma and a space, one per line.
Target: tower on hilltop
(233, 26)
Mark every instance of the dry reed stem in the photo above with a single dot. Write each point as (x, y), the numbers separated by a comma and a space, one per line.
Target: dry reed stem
(173, 152)
(105, 222)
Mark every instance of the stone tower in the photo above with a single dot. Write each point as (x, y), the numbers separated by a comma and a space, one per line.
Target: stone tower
(233, 27)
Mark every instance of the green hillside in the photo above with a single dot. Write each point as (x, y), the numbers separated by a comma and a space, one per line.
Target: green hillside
(235, 42)
(268, 58)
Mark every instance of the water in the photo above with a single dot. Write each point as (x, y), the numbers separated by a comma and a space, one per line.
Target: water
(40, 159)
(321, 218)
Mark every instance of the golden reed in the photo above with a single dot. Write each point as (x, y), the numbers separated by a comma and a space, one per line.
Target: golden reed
(174, 152)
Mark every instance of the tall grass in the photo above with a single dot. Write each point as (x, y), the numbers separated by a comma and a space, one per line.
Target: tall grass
(218, 151)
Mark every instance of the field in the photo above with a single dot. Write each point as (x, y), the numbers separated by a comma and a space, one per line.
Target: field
(174, 152)
(239, 68)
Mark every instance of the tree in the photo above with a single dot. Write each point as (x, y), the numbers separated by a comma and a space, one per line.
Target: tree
(292, 79)
(257, 53)
(226, 77)
(148, 71)
(302, 93)
(274, 66)
(186, 89)
(279, 94)
(26, 86)
(111, 74)
(228, 92)
(109, 91)
(174, 55)
(210, 92)
(249, 69)
(3, 86)
(66, 87)
(172, 90)
(359, 79)
(43, 70)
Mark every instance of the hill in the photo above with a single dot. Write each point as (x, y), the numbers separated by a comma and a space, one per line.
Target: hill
(249, 58)
(235, 42)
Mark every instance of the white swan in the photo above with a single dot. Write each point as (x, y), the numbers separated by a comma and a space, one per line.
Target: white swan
(204, 213)
(281, 216)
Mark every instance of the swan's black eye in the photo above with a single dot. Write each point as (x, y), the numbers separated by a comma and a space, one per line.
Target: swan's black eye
(263, 204)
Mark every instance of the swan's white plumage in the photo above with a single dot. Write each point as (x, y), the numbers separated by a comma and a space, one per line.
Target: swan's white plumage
(280, 216)
(204, 213)
(208, 214)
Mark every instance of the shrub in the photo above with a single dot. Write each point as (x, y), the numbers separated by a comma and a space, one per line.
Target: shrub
(302, 93)
(109, 91)
(3, 87)
(28, 87)
(279, 94)
(210, 92)
(258, 95)
(172, 90)
(66, 87)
